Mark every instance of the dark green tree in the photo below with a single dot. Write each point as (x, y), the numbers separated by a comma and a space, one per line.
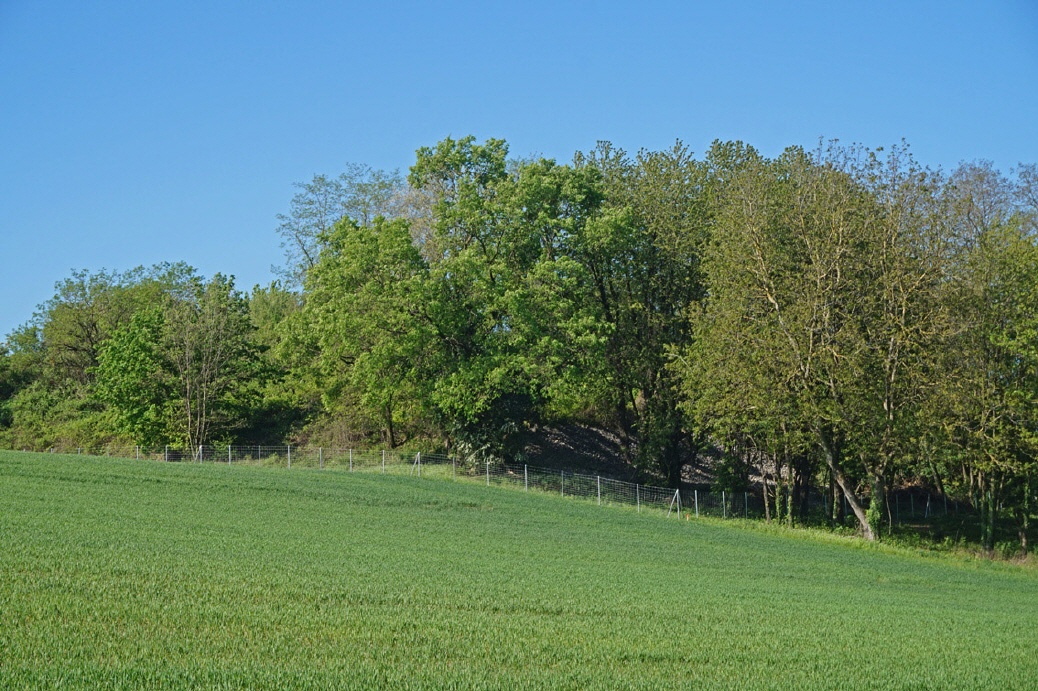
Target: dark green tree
(642, 255)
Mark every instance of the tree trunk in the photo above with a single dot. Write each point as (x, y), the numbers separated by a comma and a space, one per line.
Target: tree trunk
(763, 467)
(876, 505)
(831, 512)
(1025, 519)
(989, 521)
(791, 485)
(989, 511)
(803, 487)
(848, 492)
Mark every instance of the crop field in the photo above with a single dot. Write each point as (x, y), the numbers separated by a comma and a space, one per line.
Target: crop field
(140, 574)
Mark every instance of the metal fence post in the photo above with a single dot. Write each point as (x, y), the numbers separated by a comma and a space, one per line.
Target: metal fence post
(383, 461)
(598, 481)
(320, 457)
(638, 496)
(351, 460)
(454, 467)
(289, 447)
(137, 456)
(746, 504)
(228, 454)
(563, 490)
(165, 454)
(488, 473)
(695, 497)
(724, 507)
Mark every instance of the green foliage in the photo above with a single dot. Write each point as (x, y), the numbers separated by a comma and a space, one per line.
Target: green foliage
(364, 307)
(57, 354)
(642, 256)
(273, 406)
(207, 343)
(269, 308)
(88, 307)
(20, 360)
(42, 416)
(133, 379)
(989, 404)
(842, 317)
(19, 367)
(825, 278)
(359, 193)
(180, 370)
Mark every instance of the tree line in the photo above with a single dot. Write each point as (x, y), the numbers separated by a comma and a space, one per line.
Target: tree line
(838, 317)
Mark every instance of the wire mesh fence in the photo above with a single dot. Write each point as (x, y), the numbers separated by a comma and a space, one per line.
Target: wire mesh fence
(594, 488)
(903, 506)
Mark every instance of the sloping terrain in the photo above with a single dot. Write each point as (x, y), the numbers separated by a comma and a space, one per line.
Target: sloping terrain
(580, 448)
(123, 574)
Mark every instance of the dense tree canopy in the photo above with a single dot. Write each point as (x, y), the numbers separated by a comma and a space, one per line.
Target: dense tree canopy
(841, 318)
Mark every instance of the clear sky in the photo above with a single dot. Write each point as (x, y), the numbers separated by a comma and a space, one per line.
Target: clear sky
(138, 132)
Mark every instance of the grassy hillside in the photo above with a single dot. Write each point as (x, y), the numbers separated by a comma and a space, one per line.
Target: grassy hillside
(126, 574)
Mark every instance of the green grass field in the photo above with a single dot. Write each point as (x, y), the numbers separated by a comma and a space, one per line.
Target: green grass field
(124, 574)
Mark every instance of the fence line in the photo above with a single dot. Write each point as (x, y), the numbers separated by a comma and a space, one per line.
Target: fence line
(903, 505)
(601, 490)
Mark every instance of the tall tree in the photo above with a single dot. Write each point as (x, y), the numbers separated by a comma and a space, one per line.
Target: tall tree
(989, 391)
(365, 306)
(481, 396)
(133, 378)
(642, 255)
(211, 356)
(180, 371)
(508, 297)
(827, 266)
(89, 306)
(360, 193)
(739, 373)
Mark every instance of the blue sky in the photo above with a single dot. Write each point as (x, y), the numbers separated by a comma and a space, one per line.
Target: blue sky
(138, 132)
